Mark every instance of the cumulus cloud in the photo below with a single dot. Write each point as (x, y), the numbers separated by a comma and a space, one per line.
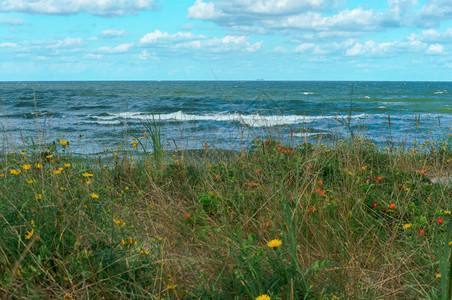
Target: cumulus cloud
(436, 49)
(115, 50)
(111, 33)
(69, 7)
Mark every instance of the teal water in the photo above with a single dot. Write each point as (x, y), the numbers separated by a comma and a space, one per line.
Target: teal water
(226, 114)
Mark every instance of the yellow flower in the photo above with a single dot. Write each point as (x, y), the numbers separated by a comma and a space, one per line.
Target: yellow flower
(38, 166)
(26, 167)
(30, 181)
(438, 275)
(273, 244)
(15, 172)
(56, 172)
(29, 234)
(406, 226)
(67, 165)
(64, 143)
(119, 222)
(263, 297)
(87, 175)
(88, 181)
(39, 197)
(94, 196)
(447, 212)
(450, 243)
(49, 156)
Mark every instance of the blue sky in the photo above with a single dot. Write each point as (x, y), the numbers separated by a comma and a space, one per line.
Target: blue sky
(225, 40)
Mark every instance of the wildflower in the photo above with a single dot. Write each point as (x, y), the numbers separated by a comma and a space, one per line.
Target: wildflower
(170, 287)
(88, 181)
(438, 275)
(29, 234)
(119, 222)
(63, 142)
(39, 197)
(144, 252)
(447, 212)
(320, 182)
(430, 201)
(30, 181)
(312, 208)
(26, 167)
(263, 297)
(94, 196)
(392, 206)
(14, 172)
(49, 156)
(379, 179)
(384, 210)
(406, 226)
(258, 171)
(274, 243)
(87, 175)
(439, 220)
(266, 224)
(374, 205)
(217, 176)
(67, 165)
(368, 181)
(38, 166)
(363, 168)
(267, 141)
(187, 215)
(56, 172)
(450, 243)
(421, 231)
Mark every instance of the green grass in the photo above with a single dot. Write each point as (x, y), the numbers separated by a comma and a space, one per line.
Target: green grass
(195, 225)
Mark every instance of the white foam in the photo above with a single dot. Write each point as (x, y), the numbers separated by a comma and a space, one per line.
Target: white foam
(254, 120)
(306, 134)
(366, 97)
(307, 93)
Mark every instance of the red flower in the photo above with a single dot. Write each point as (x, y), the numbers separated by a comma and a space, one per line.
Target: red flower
(254, 184)
(384, 210)
(187, 215)
(421, 231)
(322, 192)
(439, 220)
(267, 141)
(320, 182)
(374, 205)
(217, 176)
(266, 224)
(258, 171)
(311, 208)
(378, 179)
(430, 201)
(392, 206)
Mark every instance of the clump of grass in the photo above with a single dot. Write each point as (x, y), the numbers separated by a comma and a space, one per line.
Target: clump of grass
(340, 220)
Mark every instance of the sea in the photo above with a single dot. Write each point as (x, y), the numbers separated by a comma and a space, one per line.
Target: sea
(95, 115)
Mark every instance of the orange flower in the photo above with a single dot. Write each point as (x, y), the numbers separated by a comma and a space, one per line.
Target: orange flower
(392, 206)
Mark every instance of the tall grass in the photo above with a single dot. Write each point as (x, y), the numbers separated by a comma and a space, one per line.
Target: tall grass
(346, 220)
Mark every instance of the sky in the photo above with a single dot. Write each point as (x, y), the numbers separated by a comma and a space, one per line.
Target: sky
(403, 40)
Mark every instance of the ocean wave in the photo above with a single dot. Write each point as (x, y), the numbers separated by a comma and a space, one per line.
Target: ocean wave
(254, 120)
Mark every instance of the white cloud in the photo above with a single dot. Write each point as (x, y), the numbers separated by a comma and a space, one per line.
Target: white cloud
(436, 49)
(204, 11)
(114, 50)
(94, 56)
(110, 33)
(13, 22)
(303, 47)
(67, 42)
(68, 7)
(158, 36)
(8, 45)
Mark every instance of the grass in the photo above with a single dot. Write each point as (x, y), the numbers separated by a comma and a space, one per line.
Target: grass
(344, 220)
